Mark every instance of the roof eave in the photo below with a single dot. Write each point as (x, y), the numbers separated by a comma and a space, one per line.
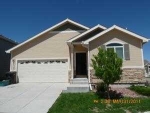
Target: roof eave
(71, 21)
(8, 39)
(145, 40)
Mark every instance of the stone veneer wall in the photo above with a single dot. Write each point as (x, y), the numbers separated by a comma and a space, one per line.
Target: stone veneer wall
(69, 75)
(129, 75)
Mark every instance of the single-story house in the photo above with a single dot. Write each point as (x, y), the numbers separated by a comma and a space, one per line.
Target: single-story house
(147, 68)
(64, 52)
(5, 44)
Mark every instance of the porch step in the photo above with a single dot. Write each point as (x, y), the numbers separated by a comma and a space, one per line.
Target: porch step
(77, 88)
(78, 85)
(79, 81)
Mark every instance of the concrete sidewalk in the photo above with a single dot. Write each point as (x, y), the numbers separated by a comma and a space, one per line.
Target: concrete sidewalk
(29, 97)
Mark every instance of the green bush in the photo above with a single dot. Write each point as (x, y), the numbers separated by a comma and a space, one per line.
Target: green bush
(143, 90)
(107, 66)
(101, 87)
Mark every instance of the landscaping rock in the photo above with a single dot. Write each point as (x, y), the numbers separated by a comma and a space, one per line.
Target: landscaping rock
(126, 92)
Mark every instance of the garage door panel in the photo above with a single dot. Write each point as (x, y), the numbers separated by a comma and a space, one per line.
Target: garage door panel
(38, 79)
(39, 71)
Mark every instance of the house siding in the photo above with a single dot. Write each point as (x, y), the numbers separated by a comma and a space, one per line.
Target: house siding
(48, 45)
(130, 73)
(117, 36)
(4, 57)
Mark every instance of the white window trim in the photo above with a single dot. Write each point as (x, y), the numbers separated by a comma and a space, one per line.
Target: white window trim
(119, 42)
(115, 49)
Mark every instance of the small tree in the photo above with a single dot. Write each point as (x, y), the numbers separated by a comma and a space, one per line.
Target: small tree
(107, 66)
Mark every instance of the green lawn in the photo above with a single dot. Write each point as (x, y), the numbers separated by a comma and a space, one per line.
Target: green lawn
(90, 103)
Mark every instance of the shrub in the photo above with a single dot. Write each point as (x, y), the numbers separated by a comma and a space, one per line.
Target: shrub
(102, 92)
(101, 87)
(143, 90)
(107, 66)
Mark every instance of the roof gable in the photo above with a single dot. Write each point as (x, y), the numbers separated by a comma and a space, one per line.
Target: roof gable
(118, 28)
(67, 26)
(48, 30)
(88, 35)
(88, 32)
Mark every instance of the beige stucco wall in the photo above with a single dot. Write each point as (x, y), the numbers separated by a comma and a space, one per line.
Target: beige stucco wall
(118, 36)
(49, 45)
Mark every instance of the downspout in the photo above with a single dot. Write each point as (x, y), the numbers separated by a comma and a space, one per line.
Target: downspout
(148, 70)
(87, 46)
(142, 54)
(148, 65)
(10, 62)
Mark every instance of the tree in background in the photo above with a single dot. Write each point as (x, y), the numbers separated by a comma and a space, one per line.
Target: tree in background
(107, 66)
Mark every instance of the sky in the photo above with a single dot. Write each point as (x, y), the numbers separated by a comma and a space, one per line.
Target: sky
(22, 19)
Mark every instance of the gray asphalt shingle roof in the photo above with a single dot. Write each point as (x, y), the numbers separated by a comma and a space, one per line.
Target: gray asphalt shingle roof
(8, 39)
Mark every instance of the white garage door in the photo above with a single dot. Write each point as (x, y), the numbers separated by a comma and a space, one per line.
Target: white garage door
(43, 71)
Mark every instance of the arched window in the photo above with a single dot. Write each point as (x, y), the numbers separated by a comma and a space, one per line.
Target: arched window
(116, 47)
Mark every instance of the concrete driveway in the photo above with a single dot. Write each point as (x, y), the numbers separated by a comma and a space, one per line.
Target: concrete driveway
(29, 97)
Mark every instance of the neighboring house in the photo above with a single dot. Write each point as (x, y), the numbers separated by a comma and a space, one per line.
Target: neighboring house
(147, 68)
(64, 51)
(5, 44)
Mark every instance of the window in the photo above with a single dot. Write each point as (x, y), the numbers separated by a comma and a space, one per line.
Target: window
(116, 47)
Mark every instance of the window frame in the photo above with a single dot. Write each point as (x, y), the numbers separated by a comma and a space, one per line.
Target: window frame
(114, 47)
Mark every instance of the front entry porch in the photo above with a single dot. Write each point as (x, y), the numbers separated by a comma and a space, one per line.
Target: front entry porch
(81, 65)
(80, 61)
(80, 71)
(79, 81)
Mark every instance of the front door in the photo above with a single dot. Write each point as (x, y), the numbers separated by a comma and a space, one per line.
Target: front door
(81, 65)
